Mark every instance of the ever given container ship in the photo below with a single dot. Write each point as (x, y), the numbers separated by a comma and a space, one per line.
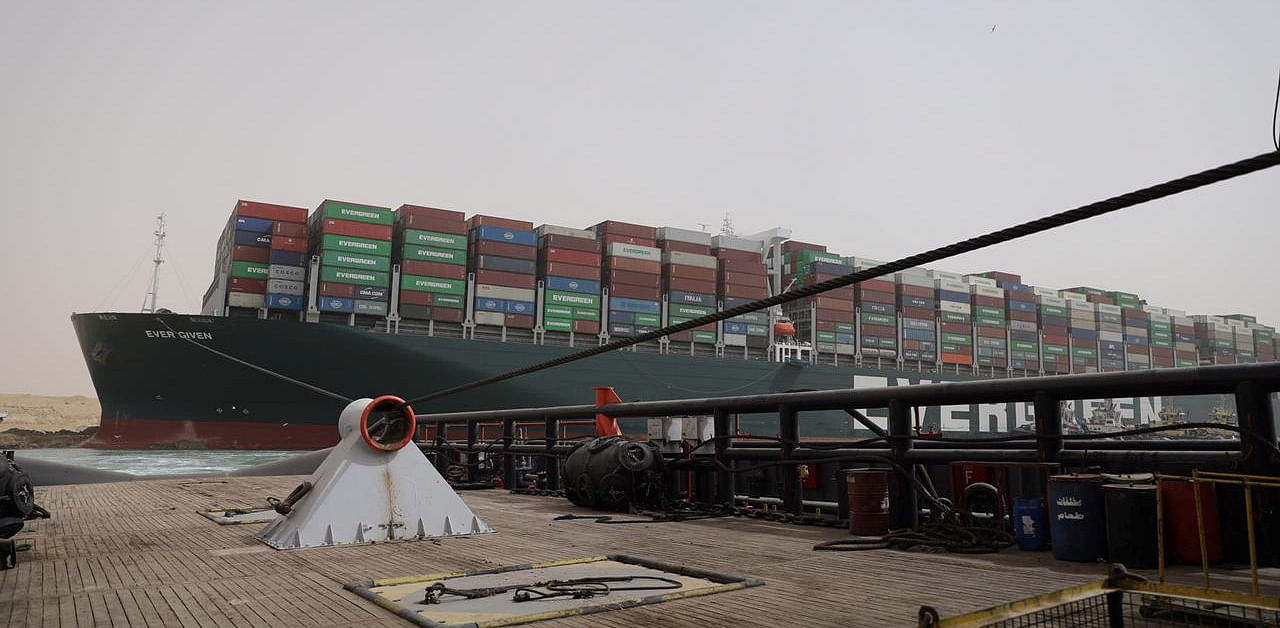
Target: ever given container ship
(363, 300)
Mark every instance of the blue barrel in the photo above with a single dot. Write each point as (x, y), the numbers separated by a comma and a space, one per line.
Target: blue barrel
(1077, 518)
(1029, 521)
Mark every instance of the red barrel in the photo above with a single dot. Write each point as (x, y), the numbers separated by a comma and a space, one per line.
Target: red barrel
(868, 502)
(1181, 533)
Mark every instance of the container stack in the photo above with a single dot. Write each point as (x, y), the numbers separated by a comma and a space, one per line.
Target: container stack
(431, 249)
(1243, 337)
(1022, 316)
(569, 268)
(261, 260)
(955, 318)
(504, 258)
(1264, 343)
(632, 274)
(1215, 341)
(689, 283)
(354, 245)
(827, 320)
(918, 310)
(989, 323)
(1083, 332)
(740, 280)
(1137, 338)
(877, 307)
(1110, 334)
(1053, 319)
(1184, 338)
(1160, 336)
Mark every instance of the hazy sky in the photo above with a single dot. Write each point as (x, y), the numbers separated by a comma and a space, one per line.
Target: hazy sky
(879, 129)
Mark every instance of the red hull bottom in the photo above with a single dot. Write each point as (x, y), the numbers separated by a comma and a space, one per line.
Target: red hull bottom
(176, 434)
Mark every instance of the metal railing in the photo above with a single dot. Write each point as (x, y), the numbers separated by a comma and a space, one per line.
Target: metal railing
(1251, 384)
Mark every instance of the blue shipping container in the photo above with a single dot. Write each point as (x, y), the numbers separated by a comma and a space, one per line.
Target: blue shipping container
(949, 295)
(336, 304)
(249, 238)
(520, 307)
(1137, 341)
(498, 234)
(1083, 334)
(372, 293)
(491, 305)
(506, 264)
(878, 308)
(920, 302)
(288, 258)
(918, 334)
(1024, 336)
(284, 302)
(256, 225)
(732, 302)
(624, 318)
(735, 328)
(634, 305)
(691, 298)
(916, 323)
(567, 284)
(827, 268)
(1047, 320)
(1021, 306)
(1110, 345)
(844, 339)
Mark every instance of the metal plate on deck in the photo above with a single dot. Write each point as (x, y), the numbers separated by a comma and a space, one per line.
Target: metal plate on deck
(238, 516)
(650, 582)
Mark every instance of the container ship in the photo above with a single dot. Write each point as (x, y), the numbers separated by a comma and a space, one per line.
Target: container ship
(363, 300)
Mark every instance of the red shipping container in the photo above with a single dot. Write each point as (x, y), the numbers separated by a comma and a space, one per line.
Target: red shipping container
(991, 332)
(734, 254)
(829, 303)
(956, 328)
(568, 256)
(1057, 340)
(1002, 276)
(625, 239)
(684, 247)
(875, 296)
(918, 313)
(821, 325)
(793, 246)
(438, 225)
(835, 293)
(295, 245)
(1026, 317)
(519, 321)
(957, 358)
(449, 315)
(1054, 330)
(289, 229)
(629, 278)
(633, 265)
(355, 229)
(743, 279)
(986, 301)
(435, 269)
(878, 285)
(572, 271)
(834, 315)
(413, 297)
(1025, 297)
(502, 223)
(586, 327)
(879, 331)
(695, 273)
(744, 292)
(741, 266)
(240, 284)
(691, 285)
(342, 290)
(915, 291)
(510, 280)
(1097, 298)
(430, 212)
(504, 249)
(558, 241)
(614, 227)
(269, 211)
(242, 253)
(634, 292)
(910, 345)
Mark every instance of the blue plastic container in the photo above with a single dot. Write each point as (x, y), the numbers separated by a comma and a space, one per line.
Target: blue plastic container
(1030, 524)
(1077, 518)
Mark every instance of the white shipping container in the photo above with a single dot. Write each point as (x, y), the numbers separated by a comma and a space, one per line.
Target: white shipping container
(1080, 306)
(1172, 312)
(846, 349)
(734, 340)
(942, 274)
(975, 280)
(634, 251)
(1107, 309)
(1234, 322)
(497, 319)
(1044, 292)
(565, 231)
(1160, 318)
(954, 307)
(1051, 301)
(688, 259)
(1023, 326)
(487, 291)
(951, 285)
(373, 308)
(292, 273)
(737, 244)
(1151, 309)
(1222, 328)
(245, 299)
(1074, 296)
(1111, 336)
(986, 291)
(859, 263)
(921, 281)
(1180, 319)
(285, 286)
(684, 235)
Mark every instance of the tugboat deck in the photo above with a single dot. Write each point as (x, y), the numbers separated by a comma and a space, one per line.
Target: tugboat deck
(140, 554)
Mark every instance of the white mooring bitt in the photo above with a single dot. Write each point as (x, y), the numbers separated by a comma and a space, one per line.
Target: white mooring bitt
(368, 491)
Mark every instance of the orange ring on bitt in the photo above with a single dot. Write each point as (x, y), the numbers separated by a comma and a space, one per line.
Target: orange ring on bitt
(364, 423)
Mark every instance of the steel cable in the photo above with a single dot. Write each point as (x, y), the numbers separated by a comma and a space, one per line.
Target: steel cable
(1092, 210)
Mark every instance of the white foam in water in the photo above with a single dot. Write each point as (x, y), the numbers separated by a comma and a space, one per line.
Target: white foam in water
(156, 462)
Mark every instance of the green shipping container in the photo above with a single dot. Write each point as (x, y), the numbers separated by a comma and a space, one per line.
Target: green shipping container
(888, 343)
(249, 270)
(1162, 344)
(558, 311)
(434, 239)
(585, 314)
(650, 320)
(956, 349)
(1187, 363)
(572, 299)
(845, 328)
(704, 337)
(556, 324)
(338, 210)
(1019, 345)
(991, 312)
(1053, 310)
(986, 321)
(1161, 335)
(353, 260)
(366, 246)
(1161, 326)
(1085, 353)
(433, 284)
(880, 319)
(757, 330)
(804, 258)
(450, 301)
(1055, 350)
(433, 254)
(953, 317)
(691, 311)
(957, 339)
(338, 274)
(758, 318)
(826, 336)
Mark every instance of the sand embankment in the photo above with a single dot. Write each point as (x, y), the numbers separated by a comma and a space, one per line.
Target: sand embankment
(42, 421)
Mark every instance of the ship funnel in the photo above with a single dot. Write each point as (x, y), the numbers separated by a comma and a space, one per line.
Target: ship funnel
(372, 488)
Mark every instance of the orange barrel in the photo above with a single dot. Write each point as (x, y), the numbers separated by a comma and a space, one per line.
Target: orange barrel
(868, 502)
(1181, 533)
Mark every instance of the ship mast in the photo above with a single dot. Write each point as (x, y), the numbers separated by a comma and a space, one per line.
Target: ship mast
(155, 271)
